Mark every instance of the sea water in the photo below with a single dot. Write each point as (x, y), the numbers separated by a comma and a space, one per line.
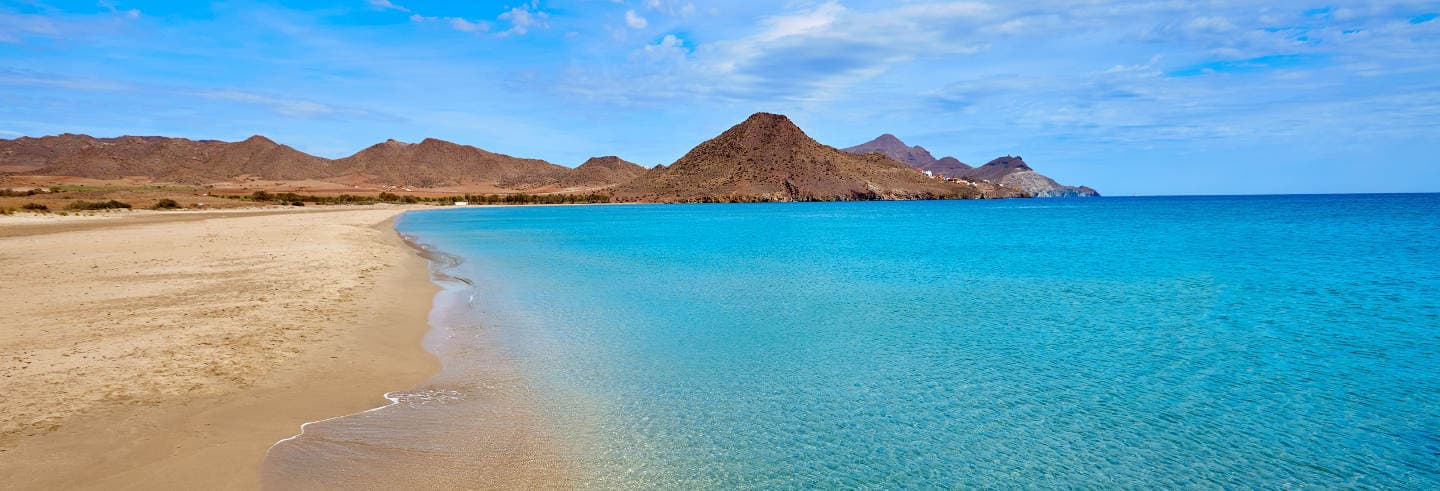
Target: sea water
(1198, 342)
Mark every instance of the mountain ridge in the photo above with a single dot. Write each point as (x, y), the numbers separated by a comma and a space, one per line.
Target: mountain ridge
(766, 157)
(1009, 171)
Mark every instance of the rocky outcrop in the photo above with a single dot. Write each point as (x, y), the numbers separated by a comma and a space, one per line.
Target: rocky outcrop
(1012, 171)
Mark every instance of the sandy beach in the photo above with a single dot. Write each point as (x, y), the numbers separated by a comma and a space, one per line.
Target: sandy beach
(169, 350)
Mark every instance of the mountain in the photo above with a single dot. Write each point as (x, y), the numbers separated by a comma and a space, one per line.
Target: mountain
(998, 169)
(890, 146)
(436, 163)
(768, 158)
(170, 159)
(1006, 171)
(430, 163)
(1012, 171)
(948, 166)
(917, 156)
(33, 153)
(601, 172)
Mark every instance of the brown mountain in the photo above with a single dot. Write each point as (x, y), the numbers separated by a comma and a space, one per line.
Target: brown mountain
(767, 157)
(33, 153)
(601, 172)
(170, 159)
(1014, 172)
(430, 163)
(949, 166)
(436, 163)
(890, 146)
(917, 156)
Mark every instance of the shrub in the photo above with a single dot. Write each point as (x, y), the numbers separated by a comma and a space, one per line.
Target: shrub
(34, 207)
(165, 204)
(7, 192)
(97, 205)
(6, 211)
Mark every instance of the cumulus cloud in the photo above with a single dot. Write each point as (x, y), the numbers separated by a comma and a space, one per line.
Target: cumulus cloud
(669, 47)
(634, 20)
(523, 18)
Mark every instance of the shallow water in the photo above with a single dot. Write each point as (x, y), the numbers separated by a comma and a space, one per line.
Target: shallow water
(1177, 342)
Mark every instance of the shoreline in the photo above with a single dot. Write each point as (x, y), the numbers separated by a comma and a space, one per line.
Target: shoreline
(203, 339)
(475, 424)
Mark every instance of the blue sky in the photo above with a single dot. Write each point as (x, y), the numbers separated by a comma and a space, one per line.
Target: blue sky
(1165, 97)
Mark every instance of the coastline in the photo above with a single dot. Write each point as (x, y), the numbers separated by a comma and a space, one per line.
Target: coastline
(475, 424)
(173, 349)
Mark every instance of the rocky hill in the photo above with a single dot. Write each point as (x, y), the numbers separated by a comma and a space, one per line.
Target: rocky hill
(600, 173)
(949, 166)
(436, 163)
(917, 156)
(170, 159)
(768, 158)
(1012, 171)
(430, 163)
(1006, 171)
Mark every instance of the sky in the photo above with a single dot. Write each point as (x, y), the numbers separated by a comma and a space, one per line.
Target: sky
(1129, 97)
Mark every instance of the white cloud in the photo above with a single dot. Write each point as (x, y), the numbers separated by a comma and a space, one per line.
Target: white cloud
(22, 78)
(456, 23)
(13, 27)
(523, 18)
(387, 4)
(467, 26)
(670, 47)
(671, 7)
(634, 21)
(815, 53)
(129, 14)
(288, 107)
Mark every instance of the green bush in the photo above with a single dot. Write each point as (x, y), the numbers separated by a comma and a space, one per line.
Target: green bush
(97, 205)
(34, 207)
(165, 204)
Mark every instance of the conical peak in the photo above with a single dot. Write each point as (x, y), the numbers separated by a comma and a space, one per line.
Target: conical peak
(888, 139)
(767, 127)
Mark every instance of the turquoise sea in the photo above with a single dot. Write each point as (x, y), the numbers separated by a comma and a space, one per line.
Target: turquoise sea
(1195, 342)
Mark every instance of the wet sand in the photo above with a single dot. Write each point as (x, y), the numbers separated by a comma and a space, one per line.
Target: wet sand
(170, 350)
